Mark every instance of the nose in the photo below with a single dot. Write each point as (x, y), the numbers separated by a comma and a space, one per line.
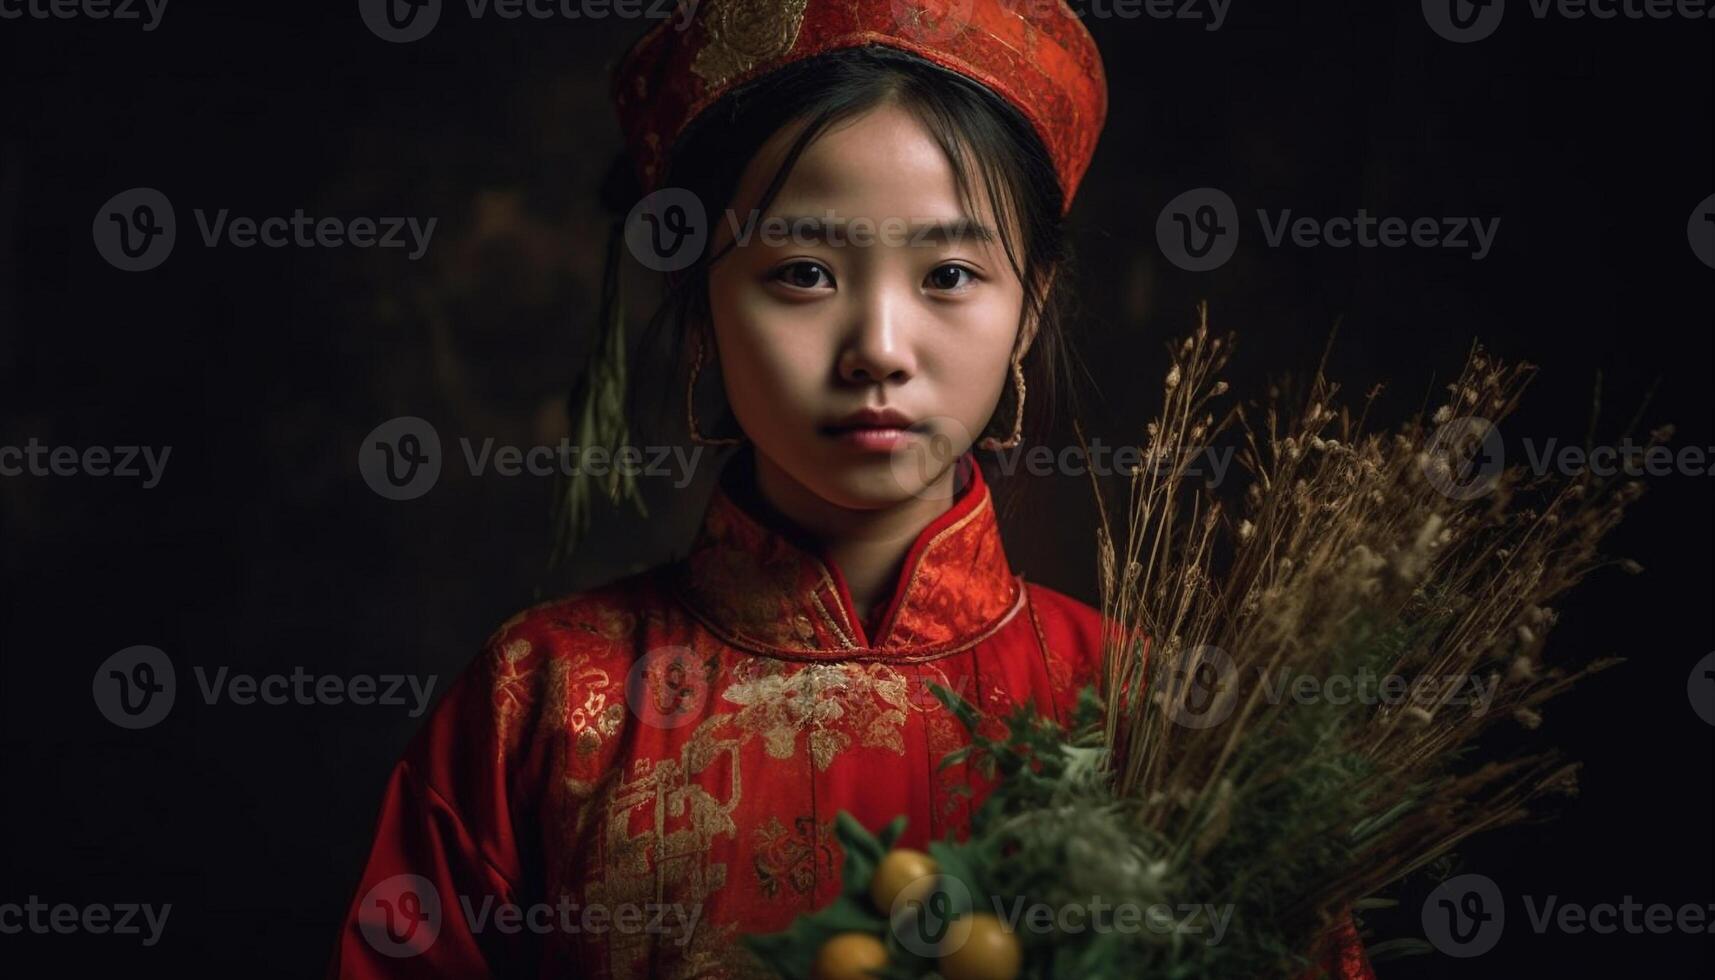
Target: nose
(877, 346)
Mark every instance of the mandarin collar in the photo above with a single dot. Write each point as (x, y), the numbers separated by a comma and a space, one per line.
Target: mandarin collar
(761, 585)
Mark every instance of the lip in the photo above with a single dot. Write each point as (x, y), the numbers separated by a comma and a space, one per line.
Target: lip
(874, 418)
(874, 429)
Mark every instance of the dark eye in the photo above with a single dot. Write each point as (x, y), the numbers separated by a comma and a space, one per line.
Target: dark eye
(948, 277)
(804, 275)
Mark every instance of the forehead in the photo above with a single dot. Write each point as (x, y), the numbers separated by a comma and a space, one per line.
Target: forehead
(881, 163)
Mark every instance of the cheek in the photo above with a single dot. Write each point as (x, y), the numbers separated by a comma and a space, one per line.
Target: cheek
(770, 360)
(972, 365)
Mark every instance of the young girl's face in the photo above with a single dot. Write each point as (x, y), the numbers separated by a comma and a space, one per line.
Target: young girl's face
(869, 289)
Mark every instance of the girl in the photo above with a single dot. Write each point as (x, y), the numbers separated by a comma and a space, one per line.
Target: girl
(629, 779)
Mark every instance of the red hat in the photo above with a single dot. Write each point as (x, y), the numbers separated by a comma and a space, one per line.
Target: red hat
(1035, 54)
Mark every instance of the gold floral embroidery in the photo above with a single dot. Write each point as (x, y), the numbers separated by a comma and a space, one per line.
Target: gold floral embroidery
(511, 694)
(575, 693)
(606, 725)
(576, 698)
(743, 33)
(828, 701)
(798, 858)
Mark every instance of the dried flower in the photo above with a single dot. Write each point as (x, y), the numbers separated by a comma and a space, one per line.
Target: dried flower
(1333, 552)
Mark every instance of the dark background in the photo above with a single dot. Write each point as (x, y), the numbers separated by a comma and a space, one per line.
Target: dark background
(263, 549)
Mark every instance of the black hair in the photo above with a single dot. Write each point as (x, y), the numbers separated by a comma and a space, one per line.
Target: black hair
(980, 133)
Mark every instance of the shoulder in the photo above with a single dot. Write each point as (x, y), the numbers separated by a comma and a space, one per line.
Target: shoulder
(593, 622)
(1070, 633)
(544, 698)
(557, 670)
(583, 640)
(1073, 622)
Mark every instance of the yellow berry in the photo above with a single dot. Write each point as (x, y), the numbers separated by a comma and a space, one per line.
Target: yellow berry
(979, 947)
(901, 872)
(849, 956)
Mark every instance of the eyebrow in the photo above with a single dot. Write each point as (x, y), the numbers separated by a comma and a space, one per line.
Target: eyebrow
(944, 231)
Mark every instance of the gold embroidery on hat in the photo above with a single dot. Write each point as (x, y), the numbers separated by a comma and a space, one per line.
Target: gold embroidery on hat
(743, 34)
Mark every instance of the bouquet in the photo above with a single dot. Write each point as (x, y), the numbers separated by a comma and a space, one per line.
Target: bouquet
(1216, 781)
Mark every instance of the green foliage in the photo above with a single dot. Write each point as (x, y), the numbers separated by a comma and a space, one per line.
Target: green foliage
(598, 419)
(1053, 833)
(1050, 833)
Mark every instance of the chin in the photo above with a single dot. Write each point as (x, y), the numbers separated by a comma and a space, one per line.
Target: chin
(881, 480)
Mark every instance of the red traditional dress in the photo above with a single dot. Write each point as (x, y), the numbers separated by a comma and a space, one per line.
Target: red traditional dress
(683, 739)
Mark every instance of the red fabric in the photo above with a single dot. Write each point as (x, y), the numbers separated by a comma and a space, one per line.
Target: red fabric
(1036, 55)
(685, 737)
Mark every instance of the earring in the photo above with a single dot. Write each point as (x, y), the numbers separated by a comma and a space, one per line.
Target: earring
(1012, 441)
(697, 436)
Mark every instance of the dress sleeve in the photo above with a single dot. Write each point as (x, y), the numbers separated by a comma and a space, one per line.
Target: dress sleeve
(446, 855)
